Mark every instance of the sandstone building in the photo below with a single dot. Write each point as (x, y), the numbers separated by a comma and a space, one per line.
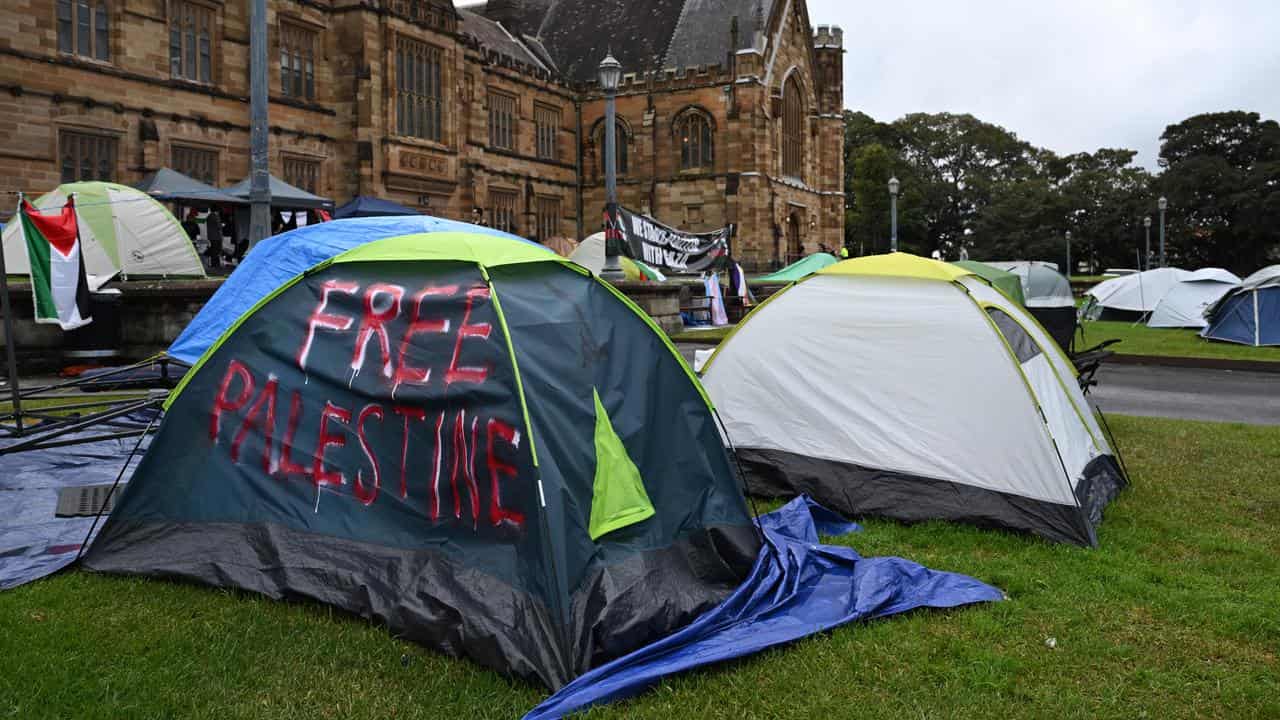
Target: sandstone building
(729, 111)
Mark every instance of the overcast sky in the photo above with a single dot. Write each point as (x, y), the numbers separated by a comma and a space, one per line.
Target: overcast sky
(1069, 75)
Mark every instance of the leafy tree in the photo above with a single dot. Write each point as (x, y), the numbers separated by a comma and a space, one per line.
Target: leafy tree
(1222, 178)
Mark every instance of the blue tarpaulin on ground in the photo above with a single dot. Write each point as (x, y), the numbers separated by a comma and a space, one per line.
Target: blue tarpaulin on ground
(33, 542)
(798, 588)
(280, 258)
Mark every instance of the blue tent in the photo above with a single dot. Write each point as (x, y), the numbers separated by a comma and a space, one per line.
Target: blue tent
(365, 206)
(277, 259)
(1250, 313)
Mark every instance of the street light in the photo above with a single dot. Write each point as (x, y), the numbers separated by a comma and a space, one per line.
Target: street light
(609, 73)
(1068, 234)
(1163, 204)
(894, 185)
(1146, 258)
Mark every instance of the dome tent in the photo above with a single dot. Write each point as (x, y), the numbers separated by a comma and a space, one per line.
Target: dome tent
(1250, 313)
(1185, 303)
(1130, 297)
(1042, 284)
(410, 432)
(122, 231)
(898, 386)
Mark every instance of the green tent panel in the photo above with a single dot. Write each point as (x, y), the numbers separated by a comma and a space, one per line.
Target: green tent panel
(411, 432)
(1005, 282)
(618, 498)
(801, 268)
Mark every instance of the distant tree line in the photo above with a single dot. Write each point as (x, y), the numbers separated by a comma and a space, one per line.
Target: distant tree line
(965, 182)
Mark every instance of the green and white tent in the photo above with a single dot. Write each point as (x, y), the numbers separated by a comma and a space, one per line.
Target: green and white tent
(123, 232)
(465, 437)
(1005, 282)
(910, 388)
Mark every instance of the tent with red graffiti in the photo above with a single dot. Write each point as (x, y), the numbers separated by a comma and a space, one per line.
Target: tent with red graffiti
(463, 436)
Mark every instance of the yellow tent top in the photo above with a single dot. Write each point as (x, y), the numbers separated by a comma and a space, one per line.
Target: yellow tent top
(898, 264)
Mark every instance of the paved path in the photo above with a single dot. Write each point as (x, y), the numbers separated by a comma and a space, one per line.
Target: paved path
(1173, 392)
(1190, 393)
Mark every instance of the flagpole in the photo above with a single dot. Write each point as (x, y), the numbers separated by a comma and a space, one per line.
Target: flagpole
(10, 341)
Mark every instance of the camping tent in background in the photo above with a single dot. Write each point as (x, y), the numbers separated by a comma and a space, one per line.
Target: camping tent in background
(122, 231)
(1130, 297)
(540, 487)
(172, 186)
(801, 268)
(283, 195)
(1048, 297)
(1250, 313)
(899, 386)
(1185, 303)
(1005, 282)
(590, 255)
(365, 206)
(1042, 284)
(276, 260)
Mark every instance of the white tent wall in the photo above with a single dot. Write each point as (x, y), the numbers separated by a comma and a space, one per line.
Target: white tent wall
(99, 267)
(868, 365)
(1185, 304)
(1064, 373)
(1139, 292)
(145, 234)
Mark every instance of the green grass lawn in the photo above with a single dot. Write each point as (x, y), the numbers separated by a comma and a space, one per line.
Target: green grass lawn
(1177, 615)
(1142, 340)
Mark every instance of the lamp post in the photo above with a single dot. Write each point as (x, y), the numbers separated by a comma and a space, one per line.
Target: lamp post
(1146, 256)
(1163, 204)
(610, 72)
(894, 185)
(1068, 235)
(259, 175)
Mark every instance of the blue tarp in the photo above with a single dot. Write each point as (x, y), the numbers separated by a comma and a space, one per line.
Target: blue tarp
(797, 588)
(34, 543)
(365, 206)
(280, 258)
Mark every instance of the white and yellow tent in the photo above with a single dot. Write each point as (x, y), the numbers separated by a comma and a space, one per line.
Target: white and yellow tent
(904, 387)
(123, 231)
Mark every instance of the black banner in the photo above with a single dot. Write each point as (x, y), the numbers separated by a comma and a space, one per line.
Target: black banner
(645, 239)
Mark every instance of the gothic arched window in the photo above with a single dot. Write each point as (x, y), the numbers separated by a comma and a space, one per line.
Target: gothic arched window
(792, 129)
(695, 138)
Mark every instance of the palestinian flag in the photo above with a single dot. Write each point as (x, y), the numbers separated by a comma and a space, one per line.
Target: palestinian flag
(58, 283)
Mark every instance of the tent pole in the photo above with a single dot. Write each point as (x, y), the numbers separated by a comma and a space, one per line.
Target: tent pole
(10, 341)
